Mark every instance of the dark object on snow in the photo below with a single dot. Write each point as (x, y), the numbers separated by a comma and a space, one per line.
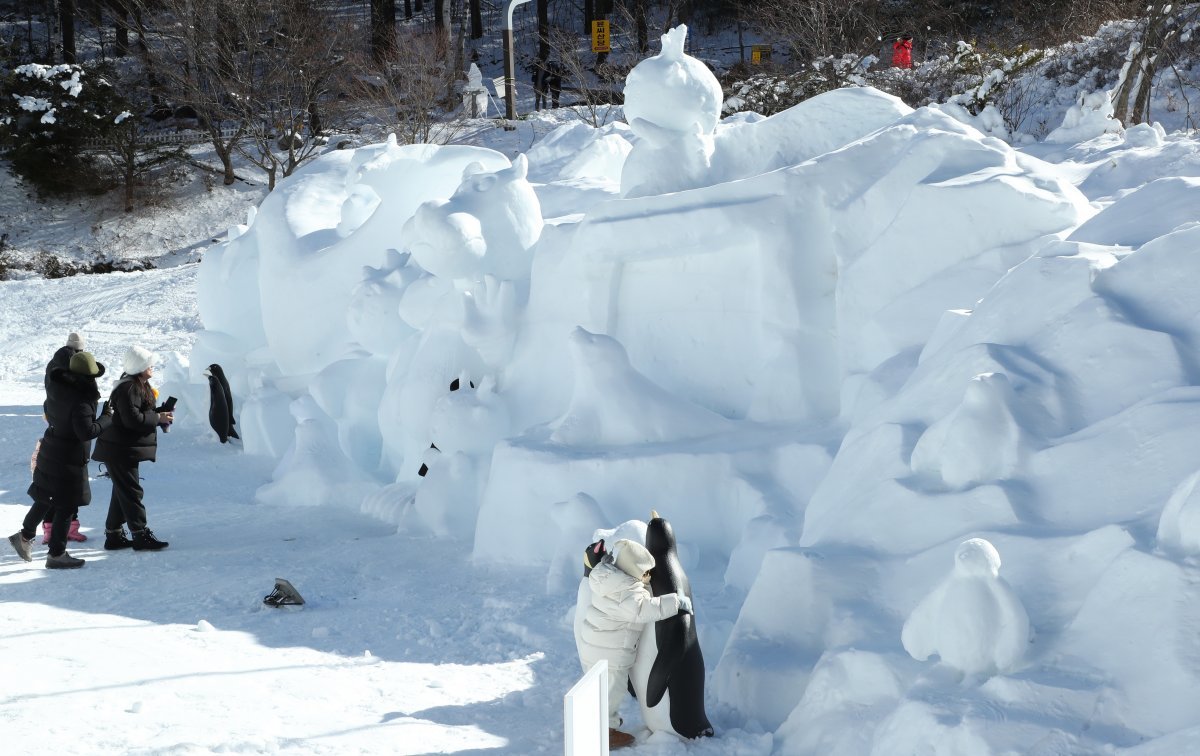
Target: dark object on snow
(220, 404)
(456, 384)
(678, 665)
(592, 556)
(285, 594)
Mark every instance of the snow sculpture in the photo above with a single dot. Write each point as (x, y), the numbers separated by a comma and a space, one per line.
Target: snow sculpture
(672, 103)
(373, 316)
(1091, 116)
(1179, 525)
(979, 441)
(973, 620)
(673, 90)
(612, 404)
(488, 227)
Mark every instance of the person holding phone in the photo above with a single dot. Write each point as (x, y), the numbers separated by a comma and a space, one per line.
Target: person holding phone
(130, 440)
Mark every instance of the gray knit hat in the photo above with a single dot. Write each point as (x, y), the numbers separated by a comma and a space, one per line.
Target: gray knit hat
(76, 341)
(632, 558)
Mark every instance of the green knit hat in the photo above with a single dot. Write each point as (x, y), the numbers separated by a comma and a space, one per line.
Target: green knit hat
(84, 363)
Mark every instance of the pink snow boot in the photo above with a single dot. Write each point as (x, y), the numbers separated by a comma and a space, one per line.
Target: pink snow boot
(45, 533)
(73, 534)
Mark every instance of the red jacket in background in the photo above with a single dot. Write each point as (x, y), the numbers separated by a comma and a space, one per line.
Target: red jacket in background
(902, 53)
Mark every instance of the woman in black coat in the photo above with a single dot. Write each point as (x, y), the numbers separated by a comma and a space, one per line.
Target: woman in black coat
(131, 439)
(60, 477)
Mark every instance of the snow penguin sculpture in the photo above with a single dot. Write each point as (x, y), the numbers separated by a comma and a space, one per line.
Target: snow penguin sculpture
(973, 619)
(668, 673)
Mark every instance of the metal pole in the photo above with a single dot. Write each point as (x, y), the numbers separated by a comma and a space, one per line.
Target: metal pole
(510, 64)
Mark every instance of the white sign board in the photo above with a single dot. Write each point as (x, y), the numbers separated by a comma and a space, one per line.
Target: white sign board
(498, 83)
(585, 713)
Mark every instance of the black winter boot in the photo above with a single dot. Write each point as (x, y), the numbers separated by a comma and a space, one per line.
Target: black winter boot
(114, 540)
(144, 540)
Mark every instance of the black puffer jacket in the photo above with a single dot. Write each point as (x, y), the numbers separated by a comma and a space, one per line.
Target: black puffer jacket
(133, 435)
(60, 361)
(61, 471)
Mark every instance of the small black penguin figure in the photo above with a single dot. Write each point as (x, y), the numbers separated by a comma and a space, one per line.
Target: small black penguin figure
(220, 403)
(592, 556)
(668, 674)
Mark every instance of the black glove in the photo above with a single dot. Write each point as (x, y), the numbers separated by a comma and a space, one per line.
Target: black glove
(106, 410)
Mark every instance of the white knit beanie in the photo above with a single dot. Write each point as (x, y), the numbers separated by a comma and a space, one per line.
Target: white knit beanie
(632, 558)
(76, 341)
(137, 359)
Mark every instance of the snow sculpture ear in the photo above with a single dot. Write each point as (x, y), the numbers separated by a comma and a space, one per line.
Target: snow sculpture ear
(472, 169)
(520, 167)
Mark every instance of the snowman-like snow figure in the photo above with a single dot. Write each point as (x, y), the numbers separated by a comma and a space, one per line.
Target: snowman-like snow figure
(672, 104)
(973, 620)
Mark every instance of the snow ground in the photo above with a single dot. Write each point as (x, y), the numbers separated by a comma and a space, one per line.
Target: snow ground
(404, 645)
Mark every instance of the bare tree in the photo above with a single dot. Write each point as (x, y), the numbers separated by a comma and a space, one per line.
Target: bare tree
(818, 28)
(253, 72)
(413, 83)
(597, 89)
(1153, 47)
(131, 157)
(285, 101)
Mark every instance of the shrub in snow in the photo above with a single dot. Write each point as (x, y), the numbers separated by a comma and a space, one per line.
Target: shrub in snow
(973, 620)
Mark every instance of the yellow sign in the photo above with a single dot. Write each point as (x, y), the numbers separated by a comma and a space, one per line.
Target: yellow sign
(760, 54)
(600, 36)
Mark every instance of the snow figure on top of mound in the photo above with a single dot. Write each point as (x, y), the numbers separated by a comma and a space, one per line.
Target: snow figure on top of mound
(973, 620)
(672, 104)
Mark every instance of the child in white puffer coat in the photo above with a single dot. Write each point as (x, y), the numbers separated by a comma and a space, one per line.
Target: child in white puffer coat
(621, 605)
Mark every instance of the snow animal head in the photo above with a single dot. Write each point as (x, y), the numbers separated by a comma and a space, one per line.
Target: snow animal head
(673, 90)
(488, 227)
(976, 557)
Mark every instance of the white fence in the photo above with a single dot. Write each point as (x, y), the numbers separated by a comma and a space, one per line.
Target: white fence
(585, 714)
(183, 136)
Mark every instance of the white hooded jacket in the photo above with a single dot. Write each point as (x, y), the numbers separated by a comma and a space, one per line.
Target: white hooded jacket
(621, 605)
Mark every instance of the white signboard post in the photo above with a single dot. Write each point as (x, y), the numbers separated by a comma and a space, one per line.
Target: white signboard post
(585, 713)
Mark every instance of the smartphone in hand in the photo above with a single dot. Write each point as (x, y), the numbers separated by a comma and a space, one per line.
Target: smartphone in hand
(167, 406)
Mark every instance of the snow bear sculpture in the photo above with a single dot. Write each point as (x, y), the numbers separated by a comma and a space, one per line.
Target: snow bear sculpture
(488, 227)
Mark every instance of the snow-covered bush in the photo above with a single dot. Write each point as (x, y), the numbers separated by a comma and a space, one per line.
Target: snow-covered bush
(770, 93)
(48, 114)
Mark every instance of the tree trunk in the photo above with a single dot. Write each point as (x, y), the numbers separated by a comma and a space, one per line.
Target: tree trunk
(120, 14)
(476, 19)
(441, 21)
(408, 10)
(642, 24)
(543, 30)
(383, 28)
(225, 154)
(66, 19)
(589, 15)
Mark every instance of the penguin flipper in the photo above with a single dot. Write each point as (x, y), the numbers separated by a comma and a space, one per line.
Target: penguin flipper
(672, 643)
